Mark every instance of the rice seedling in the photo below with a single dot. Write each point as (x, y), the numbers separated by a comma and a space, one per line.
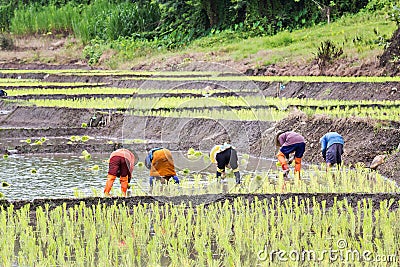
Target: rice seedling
(37, 143)
(33, 171)
(5, 156)
(193, 154)
(135, 141)
(85, 155)
(95, 167)
(237, 108)
(140, 164)
(4, 184)
(74, 138)
(28, 141)
(84, 125)
(85, 138)
(186, 171)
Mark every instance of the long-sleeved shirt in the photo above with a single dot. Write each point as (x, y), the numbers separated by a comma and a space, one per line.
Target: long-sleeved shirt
(329, 139)
(162, 163)
(290, 138)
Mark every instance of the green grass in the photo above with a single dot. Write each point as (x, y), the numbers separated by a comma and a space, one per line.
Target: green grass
(354, 32)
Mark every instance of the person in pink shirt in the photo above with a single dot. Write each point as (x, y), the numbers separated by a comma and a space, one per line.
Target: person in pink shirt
(289, 142)
(121, 165)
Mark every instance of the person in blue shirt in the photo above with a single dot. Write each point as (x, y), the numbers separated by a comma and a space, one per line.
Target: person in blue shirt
(332, 148)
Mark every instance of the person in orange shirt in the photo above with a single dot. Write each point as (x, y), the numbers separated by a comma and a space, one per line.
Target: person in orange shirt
(120, 165)
(161, 165)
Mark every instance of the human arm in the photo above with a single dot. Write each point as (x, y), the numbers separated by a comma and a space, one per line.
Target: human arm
(323, 142)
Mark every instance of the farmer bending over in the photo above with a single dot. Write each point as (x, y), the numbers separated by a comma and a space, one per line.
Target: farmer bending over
(161, 165)
(332, 149)
(289, 142)
(120, 165)
(225, 156)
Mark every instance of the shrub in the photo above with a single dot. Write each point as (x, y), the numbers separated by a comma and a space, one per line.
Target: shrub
(327, 53)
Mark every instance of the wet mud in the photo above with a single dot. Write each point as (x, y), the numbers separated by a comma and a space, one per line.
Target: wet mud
(328, 198)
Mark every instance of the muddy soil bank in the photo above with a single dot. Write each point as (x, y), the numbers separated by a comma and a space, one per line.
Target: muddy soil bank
(391, 166)
(314, 199)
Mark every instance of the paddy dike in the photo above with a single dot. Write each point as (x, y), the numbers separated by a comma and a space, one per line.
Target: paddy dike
(313, 199)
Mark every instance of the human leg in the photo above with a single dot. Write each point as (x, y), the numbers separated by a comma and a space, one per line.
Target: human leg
(233, 162)
(124, 184)
(176, 179)
(109, 184)
(298, 154)
(222, 161)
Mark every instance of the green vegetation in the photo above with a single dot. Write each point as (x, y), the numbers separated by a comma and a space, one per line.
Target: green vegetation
(354, 179)
(261, 32)
(231, 233)
(33, 83)
(245, 108)
(165, 23)
(85, 155)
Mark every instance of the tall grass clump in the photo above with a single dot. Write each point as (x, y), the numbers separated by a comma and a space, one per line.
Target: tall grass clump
(37, 19)
(103, 19)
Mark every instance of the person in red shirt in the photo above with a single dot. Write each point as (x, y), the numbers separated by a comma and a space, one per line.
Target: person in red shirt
(120, 165)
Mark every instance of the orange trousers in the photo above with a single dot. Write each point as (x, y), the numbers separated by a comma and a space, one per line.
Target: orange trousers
(285, 166)
(110, 181)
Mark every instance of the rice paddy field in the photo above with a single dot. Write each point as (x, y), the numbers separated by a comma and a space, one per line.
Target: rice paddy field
(54, 167)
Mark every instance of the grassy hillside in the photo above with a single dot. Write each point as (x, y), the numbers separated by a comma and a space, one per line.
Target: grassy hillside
(362, 37)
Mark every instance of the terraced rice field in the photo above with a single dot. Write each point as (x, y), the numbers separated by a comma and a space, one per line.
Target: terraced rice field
(44, 128)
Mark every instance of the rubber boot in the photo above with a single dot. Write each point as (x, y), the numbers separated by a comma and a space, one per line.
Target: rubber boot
(220, 173)
(297, 167)
(237, 176)
(124, 185)
(109, 184)
(282, 159)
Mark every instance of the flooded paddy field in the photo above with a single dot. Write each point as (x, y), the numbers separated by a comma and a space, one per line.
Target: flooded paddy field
(69, 176)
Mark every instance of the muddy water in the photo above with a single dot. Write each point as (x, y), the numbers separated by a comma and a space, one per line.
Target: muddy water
(68, 176)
